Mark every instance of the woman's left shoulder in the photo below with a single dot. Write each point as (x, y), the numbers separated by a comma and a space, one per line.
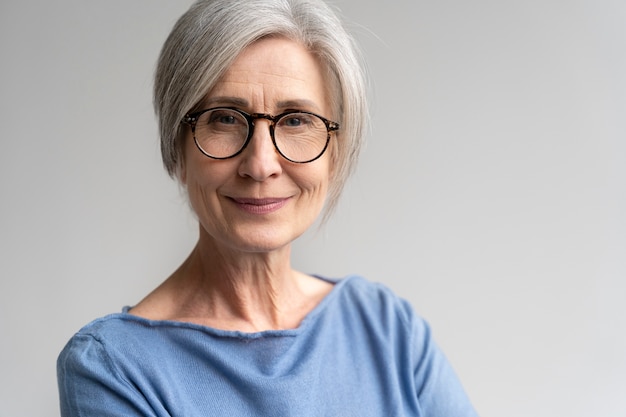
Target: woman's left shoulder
(376, 298)
(369, 290)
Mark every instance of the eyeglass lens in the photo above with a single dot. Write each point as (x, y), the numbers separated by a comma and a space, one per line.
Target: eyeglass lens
(223, 133)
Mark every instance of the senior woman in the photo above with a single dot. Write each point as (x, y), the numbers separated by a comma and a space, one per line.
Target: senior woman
(261, 107)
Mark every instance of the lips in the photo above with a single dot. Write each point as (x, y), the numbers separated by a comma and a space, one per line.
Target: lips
(260, 205)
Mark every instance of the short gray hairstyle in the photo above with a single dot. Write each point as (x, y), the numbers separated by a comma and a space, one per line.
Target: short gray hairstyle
(210, 35)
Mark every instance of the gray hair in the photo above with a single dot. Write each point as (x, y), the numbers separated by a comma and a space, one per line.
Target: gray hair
(208, 37)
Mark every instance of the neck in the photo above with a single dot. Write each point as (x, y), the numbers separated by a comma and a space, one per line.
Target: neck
(235, 290)
(248, 291)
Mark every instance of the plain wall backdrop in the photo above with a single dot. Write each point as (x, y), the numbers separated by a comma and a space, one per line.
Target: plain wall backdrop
(491, 194)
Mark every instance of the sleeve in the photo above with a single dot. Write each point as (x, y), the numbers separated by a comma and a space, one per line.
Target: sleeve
(439, 391)
(90, 385)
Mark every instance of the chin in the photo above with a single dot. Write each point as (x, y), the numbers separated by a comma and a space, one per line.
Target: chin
(267, 239)
(255, 238)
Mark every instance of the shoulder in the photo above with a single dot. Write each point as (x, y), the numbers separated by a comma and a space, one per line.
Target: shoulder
(405, 340)
(379, 306)
(102, 368)
(92, 342)
(107, 344)
(374, 295)
(108, 328)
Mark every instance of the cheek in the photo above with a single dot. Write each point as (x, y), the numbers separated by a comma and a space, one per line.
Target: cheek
(193, 167)
(196, 194)
(315, 181)
(185, 139)
(201, 180)
(333, 156)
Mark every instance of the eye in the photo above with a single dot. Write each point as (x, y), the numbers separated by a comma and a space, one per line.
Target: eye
(226, 118)
(296, 120)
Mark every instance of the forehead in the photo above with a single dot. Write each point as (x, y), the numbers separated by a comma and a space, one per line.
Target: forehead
(273, 71)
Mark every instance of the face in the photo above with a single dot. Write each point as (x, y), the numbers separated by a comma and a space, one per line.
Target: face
(259, 201)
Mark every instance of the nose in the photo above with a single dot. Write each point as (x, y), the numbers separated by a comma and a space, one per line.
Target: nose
(260, 160)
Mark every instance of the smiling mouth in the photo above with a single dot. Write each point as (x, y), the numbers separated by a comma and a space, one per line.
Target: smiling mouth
(260, 205)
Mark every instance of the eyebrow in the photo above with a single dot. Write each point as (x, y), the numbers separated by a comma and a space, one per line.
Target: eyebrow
(296, 104)
(225, 100)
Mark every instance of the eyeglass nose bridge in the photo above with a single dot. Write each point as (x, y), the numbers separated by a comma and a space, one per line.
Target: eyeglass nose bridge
(265, 116)
(251, 117)
(254, 116)
(252, 128)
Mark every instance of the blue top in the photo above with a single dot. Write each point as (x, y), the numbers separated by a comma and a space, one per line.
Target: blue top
(361, 352)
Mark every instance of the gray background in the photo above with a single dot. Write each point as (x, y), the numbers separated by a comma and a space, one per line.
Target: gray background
(491, 194)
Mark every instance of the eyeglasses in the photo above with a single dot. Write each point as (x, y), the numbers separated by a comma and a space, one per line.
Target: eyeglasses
(224, 132)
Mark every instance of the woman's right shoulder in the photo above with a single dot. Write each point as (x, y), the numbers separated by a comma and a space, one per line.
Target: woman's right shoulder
(88, 351)
(100, 335)
(97, 363)
(106, 326)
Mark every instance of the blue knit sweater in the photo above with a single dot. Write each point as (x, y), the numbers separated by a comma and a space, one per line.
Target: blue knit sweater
(361, 352)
